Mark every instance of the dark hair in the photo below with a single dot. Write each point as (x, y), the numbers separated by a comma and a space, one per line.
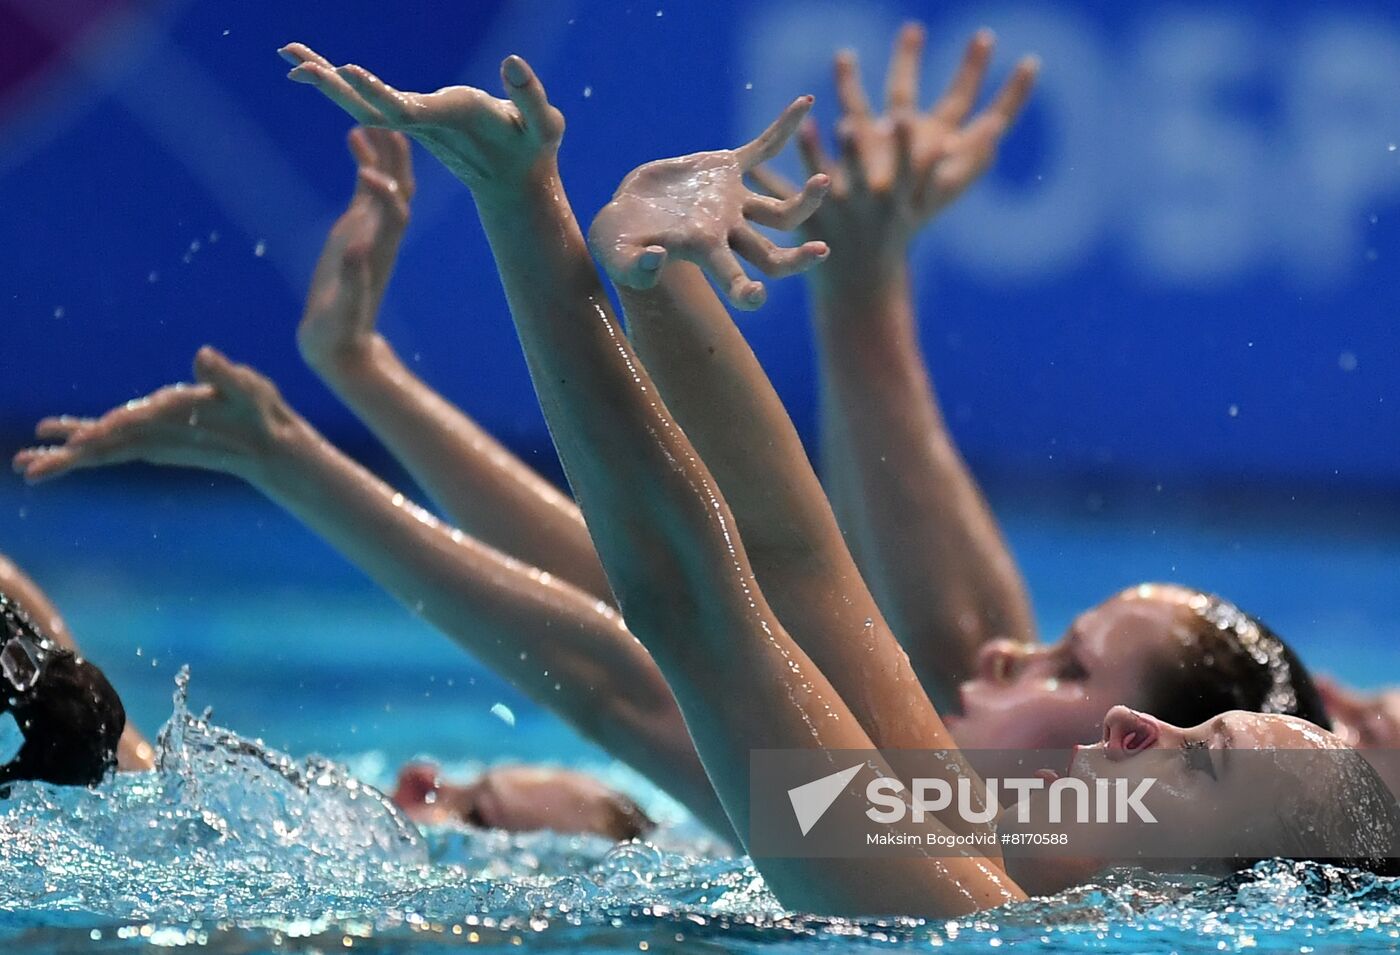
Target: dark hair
(1359, 831)
(71, 717)
(626, 819)
(1233, 661)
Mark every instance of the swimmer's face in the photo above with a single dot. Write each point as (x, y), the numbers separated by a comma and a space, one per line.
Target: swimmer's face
(1226, 789)
(1052, 697)
(521, 799)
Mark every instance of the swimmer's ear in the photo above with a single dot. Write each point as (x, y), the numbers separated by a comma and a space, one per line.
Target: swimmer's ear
(527, 93)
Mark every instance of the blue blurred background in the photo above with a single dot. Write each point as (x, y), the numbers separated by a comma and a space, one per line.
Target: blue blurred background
(1164, 328)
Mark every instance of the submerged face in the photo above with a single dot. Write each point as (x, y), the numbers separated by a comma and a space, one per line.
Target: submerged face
(1238, 786)
(1052, 697)
(521, 799)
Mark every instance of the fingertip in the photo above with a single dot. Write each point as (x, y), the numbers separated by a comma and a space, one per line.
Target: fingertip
(817, 250)
(208, 360)
(651, 258)
(751, 294)
(1030, 64)
(912, 32)
(515, 71)
(986, 37)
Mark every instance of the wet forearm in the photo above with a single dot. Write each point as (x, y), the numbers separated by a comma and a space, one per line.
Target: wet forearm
(929, 544)
(549, 639)
(725, 404)
(481, 486)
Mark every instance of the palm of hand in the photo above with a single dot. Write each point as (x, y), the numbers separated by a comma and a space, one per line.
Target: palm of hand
(488, 143)
(349, 279)
(900, 168)
(698, 208)
(690, 206)
(222, 423)
(354, 268)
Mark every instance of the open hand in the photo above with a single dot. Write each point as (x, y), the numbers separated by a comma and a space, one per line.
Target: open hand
(228, 421)
(353, 271)
(697, 208)
(899, 169)
(493, 145)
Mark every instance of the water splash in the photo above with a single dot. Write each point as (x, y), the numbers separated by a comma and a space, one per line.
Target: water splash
(234, 846)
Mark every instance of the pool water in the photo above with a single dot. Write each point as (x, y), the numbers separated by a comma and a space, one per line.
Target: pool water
(246, 841)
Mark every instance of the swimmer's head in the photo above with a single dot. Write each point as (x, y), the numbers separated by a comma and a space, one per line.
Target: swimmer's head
(70, 716)
(1162, 648)
(522, 799)
(1224, 794)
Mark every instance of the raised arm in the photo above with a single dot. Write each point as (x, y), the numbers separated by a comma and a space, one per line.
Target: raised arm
(134, 753)
(662, 529)
(561, 647)
(725, 404)
(927, 542)
(479, 484)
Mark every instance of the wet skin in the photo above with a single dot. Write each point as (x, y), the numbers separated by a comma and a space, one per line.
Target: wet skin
(519, 799)
(1229, 803)
(1053, 696)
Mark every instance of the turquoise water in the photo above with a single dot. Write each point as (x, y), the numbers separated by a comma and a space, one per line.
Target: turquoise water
(245, 842)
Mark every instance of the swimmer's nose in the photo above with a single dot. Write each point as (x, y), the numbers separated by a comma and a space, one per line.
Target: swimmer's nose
(999, 660)
(416, 782)
(1127, 732)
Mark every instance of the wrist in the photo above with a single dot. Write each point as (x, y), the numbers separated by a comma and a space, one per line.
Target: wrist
(346, 360)
(277, 460)
(871, 286)
(539, 187)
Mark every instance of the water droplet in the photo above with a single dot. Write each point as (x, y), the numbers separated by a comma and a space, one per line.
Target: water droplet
(260, 248)
(660, 13)
(1373, 218)
(1390, 148)
(748, 86)
(1234, 411)
(152, 276)
(225, 33)
(587, 92)
(503, 713)
(59, 312)
(1346, 361)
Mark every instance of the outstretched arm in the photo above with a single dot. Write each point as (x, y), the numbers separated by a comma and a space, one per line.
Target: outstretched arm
(561, 647)
(927, 541)
(134, 753)
(662, 529)
(484, 488)
(725, 404)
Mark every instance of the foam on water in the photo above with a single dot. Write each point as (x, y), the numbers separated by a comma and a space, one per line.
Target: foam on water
(233, 846)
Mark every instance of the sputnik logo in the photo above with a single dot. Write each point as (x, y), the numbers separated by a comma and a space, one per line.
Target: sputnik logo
(810, 801)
